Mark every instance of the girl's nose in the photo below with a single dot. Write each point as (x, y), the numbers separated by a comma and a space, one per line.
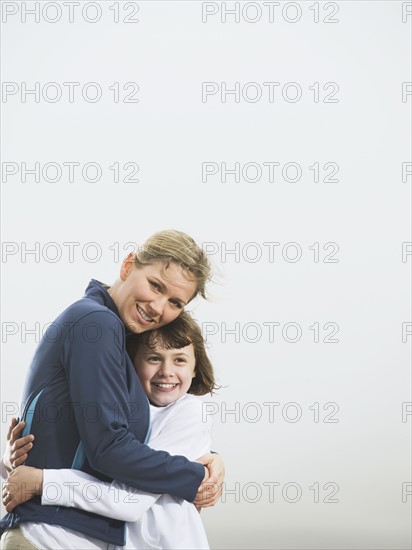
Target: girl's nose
(166, 369)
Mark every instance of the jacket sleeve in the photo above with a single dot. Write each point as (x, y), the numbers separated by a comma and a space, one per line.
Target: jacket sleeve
(94, 359)
(184, 433)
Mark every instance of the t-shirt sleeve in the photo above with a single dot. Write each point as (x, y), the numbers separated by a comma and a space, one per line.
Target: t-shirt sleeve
(76, 489)
(188, 430)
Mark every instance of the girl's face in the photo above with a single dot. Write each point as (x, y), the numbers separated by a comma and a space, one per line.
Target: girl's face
(165, 374)
(150, 296)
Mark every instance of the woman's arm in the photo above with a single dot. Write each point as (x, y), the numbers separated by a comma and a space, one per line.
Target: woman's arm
(66, 487)
(183, 432)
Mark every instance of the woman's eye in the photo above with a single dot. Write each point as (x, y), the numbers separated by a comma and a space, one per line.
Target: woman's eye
(155, 285)
(180, 360)
(176, 304)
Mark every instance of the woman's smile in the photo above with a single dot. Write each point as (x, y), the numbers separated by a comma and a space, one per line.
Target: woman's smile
(151, 296)
(144, 318)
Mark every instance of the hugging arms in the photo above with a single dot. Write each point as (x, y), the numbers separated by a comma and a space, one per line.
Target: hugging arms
(87, 365)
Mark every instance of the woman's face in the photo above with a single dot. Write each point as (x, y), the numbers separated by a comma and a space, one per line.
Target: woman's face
(151, 296)
(165, 374)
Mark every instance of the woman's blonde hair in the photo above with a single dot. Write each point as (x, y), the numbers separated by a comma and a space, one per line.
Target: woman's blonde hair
(176, 246)
(180, 333)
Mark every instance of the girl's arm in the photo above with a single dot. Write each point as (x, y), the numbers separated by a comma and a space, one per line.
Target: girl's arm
(76, 489)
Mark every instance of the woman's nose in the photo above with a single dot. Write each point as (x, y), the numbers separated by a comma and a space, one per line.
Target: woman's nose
(157, 306)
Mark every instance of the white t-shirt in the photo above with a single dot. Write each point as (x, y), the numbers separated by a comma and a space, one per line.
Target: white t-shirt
(153, 521)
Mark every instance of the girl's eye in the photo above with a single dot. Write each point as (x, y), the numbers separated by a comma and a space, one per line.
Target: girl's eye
(154, 285)
(176, 304)
(153, 359)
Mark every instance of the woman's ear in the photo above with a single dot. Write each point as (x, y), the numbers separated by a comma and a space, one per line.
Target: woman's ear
(127, 265)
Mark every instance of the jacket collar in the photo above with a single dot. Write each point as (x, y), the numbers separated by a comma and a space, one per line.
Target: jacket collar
(98, 292)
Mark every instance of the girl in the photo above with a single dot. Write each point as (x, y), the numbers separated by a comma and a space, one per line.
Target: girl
(172, 365)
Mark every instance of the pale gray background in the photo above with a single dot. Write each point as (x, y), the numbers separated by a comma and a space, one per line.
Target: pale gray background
(169, 133)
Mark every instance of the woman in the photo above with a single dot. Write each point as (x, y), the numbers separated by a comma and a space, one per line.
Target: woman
(84, 404)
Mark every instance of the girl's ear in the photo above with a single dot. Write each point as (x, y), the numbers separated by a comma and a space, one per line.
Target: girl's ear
(127, 266)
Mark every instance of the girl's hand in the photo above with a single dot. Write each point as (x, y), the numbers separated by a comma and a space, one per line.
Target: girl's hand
(210, 490)
(22, 484)
(17, 447)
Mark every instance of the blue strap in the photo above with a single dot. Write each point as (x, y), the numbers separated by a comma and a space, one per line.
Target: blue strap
(79, 457)
(30, 414)
(149, 431)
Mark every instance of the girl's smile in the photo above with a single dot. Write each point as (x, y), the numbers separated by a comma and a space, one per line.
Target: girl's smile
(165, 374)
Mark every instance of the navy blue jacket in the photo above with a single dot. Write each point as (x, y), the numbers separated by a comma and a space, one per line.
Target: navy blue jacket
(87, 410)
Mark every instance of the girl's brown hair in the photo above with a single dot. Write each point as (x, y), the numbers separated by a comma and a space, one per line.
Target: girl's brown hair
(180, 333)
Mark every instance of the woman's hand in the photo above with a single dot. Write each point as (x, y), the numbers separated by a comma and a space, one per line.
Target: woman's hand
(17, 447)
(211, 489)
(22, 484)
